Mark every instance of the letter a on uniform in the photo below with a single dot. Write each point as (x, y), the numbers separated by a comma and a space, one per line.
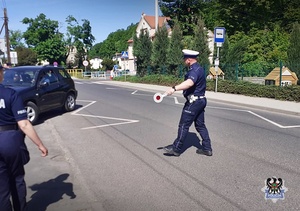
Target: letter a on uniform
(2, 103)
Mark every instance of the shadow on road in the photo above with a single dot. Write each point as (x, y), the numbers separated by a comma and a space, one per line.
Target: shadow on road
(192, 140)
(50, 192)
(53, 113)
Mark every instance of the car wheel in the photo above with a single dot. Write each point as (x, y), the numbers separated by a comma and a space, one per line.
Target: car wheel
(32, 112)
(70, 102)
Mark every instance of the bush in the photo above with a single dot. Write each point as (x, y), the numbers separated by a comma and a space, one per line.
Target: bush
(288, 93)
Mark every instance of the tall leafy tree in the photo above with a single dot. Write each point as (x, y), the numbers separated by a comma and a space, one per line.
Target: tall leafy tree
(79, 36)
(52, 50)
(116, 42)
(15, 39)
(95, 51)
(185, 11)
(26, 56)
(235, 55)
(174, 55)
(244, 15)
(293, 51)
(39, 30)
(43, 37)
(159, 49)
(142, 48)
(108, 64)
(200, 43)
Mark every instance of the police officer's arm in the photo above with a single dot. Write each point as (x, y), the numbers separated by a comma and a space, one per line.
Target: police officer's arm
(28, 129)
(183, 86)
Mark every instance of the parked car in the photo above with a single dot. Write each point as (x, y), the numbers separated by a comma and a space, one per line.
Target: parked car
(43, 88)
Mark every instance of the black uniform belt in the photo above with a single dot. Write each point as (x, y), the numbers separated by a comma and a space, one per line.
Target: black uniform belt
(8, 127)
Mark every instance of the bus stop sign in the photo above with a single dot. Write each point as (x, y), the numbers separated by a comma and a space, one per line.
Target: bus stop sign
(219, 34)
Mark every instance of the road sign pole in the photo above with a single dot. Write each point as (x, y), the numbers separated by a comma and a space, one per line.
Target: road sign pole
(216, 68)
(125, 58)
(219, 40)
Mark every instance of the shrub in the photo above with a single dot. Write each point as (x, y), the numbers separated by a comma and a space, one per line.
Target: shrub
(289, 93)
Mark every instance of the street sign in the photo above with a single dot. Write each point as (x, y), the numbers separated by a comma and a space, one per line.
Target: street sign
(124, 55)
(85, 63)
(219, 34)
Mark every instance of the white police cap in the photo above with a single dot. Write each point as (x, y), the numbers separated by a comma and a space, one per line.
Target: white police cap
(190, 53)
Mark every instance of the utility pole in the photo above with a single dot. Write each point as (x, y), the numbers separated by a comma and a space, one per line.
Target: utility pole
(156, 15)
(7, 35)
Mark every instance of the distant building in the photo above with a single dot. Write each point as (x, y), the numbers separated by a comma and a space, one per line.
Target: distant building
(71, 59)
(287, 77)
(3, 53)
(147, 23)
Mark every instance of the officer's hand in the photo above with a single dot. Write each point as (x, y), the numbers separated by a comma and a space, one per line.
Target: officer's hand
(44, 150)
(170, 91)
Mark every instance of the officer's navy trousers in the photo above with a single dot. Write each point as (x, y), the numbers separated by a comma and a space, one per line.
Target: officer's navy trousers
(192, 112)
(12, 183)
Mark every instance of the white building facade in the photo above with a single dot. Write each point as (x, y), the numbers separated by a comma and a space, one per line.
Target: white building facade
(3, 57)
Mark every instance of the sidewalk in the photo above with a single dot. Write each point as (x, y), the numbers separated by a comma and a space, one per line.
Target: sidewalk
(287, 107)
(54, 183)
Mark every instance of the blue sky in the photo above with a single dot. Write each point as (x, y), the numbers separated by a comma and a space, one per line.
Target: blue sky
(105, 16)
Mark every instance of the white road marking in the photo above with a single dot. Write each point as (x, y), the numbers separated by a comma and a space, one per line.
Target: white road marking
(135, 93)
(121, 120)
(257, 115)
(127, 121)
(241, 110)
(176, 101)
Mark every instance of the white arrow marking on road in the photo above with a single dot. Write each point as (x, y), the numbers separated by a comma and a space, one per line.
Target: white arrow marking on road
(259, 116)
(123, 121)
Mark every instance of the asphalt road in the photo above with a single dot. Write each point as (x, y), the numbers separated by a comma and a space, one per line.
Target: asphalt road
(112, 143)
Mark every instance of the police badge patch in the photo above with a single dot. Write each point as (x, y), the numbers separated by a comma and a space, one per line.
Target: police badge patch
(274, 189)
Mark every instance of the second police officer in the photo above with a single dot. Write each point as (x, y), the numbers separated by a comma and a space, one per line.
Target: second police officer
(14, 125)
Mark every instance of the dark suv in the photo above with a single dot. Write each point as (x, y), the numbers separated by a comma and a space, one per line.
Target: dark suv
(43, 88)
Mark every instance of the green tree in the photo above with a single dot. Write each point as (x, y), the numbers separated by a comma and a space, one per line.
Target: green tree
(159, 50)
(174, 55)
(43, 37)
(223, 50)
(200, 43)
(52, 50)
(142, 48)
(108, 64)
(95, 51)
(79, 36)
(39, 30)
(244, 15)
(235, 55)
(15, 39)
(185, 11)
(26, 56)
(116, 42)
(293, 51)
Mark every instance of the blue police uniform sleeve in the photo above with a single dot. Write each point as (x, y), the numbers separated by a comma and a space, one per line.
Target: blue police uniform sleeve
(18, 108)
(193, 76)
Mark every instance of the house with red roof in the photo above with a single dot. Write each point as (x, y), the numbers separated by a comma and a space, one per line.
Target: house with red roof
(147, 22)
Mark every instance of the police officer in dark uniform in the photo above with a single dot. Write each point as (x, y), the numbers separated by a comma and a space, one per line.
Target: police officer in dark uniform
(193, 87)
(13, 151)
